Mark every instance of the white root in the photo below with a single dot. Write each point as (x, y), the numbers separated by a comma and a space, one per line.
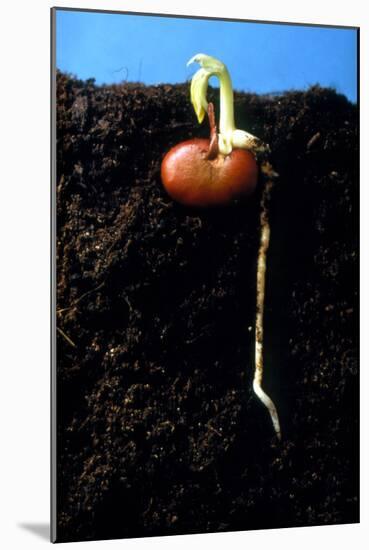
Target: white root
(260, 298)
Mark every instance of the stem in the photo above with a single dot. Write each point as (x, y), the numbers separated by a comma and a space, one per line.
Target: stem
(226, 121)
(260, 298)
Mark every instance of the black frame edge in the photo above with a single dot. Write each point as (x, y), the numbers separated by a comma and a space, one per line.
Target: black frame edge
(208, 17)
(53, 423)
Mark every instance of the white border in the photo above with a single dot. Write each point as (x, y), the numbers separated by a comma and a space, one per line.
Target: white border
(24, 233)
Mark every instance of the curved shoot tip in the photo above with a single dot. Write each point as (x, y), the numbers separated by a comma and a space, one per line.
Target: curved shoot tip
(207, 62)
(194, 59)
(199, 86)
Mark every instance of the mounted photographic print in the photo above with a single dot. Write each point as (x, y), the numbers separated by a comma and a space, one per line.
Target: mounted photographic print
(205, 270)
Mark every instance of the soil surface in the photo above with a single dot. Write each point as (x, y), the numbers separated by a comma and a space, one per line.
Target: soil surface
(159, 431)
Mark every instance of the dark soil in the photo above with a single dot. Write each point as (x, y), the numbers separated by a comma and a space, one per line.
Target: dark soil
(159, 431)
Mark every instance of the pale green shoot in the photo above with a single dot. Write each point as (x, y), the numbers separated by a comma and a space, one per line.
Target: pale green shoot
(229, 136)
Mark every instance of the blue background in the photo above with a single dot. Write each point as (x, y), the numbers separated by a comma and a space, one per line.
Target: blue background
(261, 58)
